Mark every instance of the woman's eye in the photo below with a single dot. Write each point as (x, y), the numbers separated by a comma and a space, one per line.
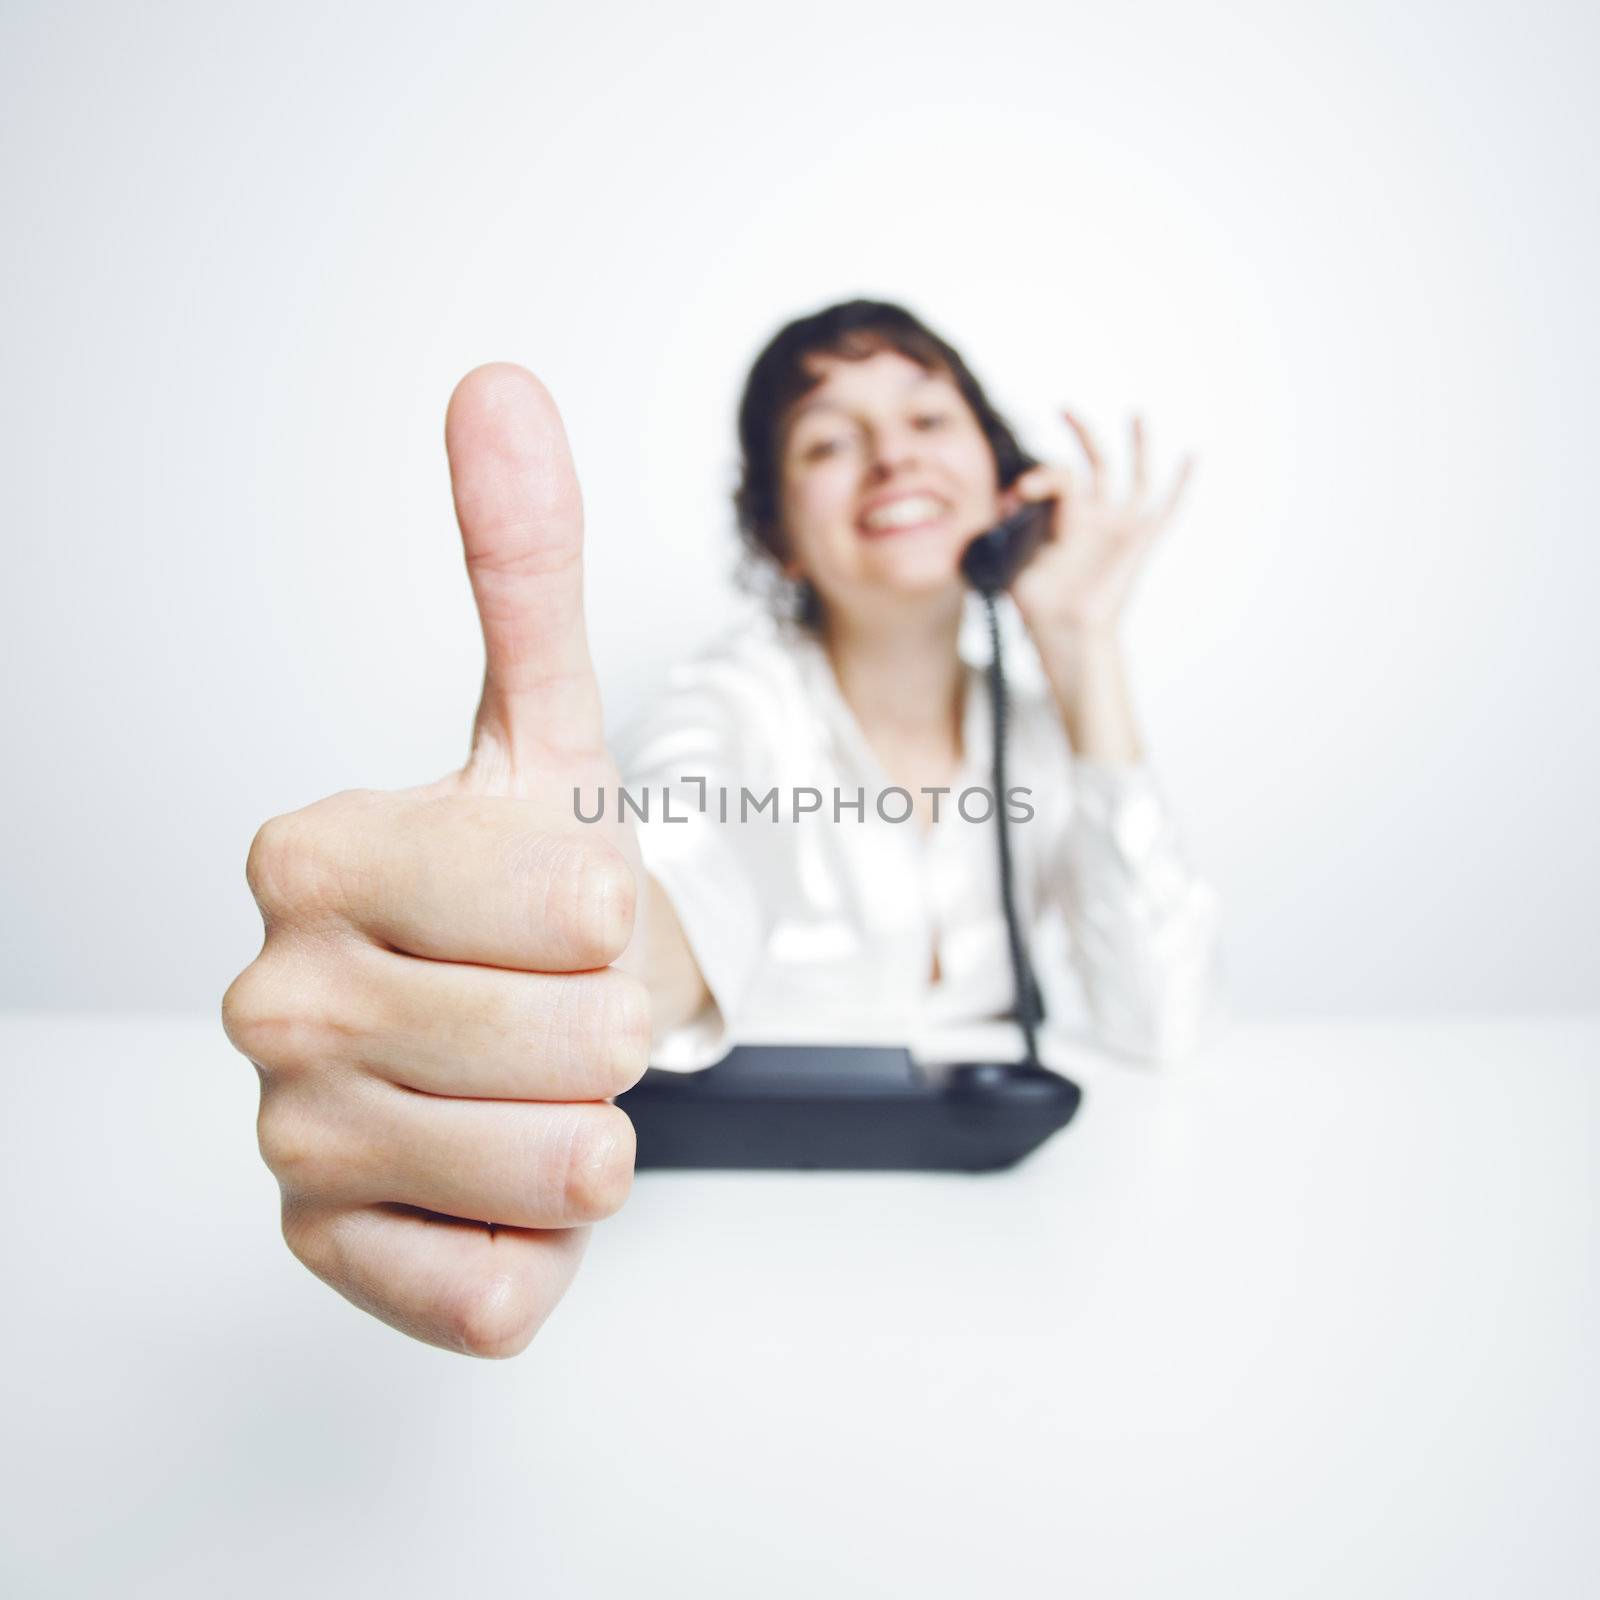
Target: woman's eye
(821, 449)
(932, 419)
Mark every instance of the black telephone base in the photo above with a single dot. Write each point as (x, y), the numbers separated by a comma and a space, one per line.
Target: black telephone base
(845, 1109)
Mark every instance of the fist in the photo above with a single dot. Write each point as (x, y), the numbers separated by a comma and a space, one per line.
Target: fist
(441, 1011)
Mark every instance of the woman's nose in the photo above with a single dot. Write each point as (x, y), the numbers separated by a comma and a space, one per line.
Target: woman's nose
(892, 451)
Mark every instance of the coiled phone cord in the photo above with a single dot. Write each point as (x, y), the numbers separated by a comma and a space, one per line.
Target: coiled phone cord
(1029, 1008)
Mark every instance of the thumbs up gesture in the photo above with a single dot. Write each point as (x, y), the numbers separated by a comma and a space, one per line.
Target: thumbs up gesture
(436, 1014)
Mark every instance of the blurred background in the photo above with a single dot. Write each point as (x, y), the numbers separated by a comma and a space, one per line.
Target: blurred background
(1347, 254)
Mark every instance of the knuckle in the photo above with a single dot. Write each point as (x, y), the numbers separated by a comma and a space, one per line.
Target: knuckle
(290, 868)
(259, 1017)
(599, 1164)
(495, 1318)
(278, 1014)
(304, 1150)
(245, 1010)
(311, 1241)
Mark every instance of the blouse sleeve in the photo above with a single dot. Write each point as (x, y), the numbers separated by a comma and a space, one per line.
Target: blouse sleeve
(698, 746)
(1144, 926)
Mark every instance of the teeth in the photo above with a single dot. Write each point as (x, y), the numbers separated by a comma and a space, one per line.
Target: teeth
(903, 513)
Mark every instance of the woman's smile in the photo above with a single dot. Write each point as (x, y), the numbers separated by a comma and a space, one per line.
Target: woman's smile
(910, 511)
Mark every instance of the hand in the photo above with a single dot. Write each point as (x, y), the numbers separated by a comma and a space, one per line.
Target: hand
(1080, 579)
(434, 1015)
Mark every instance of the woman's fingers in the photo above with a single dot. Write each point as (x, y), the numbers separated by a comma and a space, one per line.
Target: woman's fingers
(520, 1163)
(1045, 483)
(1180, 483)
(484, 1032)
(503, 1161)
(463, 1286)
(1139, 459)
(521, 514)
(1091, 451)
(452, 876)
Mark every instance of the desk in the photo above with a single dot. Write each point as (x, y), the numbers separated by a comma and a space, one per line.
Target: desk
(1314, 1315)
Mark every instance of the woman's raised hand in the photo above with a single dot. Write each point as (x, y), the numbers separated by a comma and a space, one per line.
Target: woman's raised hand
(1082, 575)
(435, 1014)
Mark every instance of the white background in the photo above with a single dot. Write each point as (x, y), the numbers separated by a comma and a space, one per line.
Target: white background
(1345, 252)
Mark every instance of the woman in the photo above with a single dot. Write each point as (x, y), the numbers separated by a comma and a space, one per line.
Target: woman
(871, 459)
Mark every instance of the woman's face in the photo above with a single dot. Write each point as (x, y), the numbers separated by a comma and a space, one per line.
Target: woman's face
(886, 479)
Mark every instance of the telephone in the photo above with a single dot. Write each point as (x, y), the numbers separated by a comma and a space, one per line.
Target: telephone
(993, 560)
(863, 1108)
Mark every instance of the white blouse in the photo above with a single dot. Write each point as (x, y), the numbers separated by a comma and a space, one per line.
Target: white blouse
(814, 915)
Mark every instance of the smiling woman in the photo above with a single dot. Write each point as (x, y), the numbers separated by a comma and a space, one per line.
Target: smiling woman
(871, 459)
(801, 408)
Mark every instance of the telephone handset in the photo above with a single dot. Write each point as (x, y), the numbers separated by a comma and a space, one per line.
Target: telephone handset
(993, 559)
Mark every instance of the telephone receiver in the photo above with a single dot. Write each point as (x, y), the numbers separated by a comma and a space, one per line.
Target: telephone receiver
(993, 560)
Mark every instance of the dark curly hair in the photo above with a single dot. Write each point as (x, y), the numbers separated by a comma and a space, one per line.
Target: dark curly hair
(782, 375)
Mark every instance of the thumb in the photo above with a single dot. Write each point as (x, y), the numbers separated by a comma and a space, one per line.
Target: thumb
(521, 515)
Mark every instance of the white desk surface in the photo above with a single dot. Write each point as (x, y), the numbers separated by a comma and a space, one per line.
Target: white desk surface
(1315, 1315)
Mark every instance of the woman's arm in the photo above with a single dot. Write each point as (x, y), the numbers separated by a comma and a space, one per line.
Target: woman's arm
(1086, 678)
(706, 924)
(1144, 926)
